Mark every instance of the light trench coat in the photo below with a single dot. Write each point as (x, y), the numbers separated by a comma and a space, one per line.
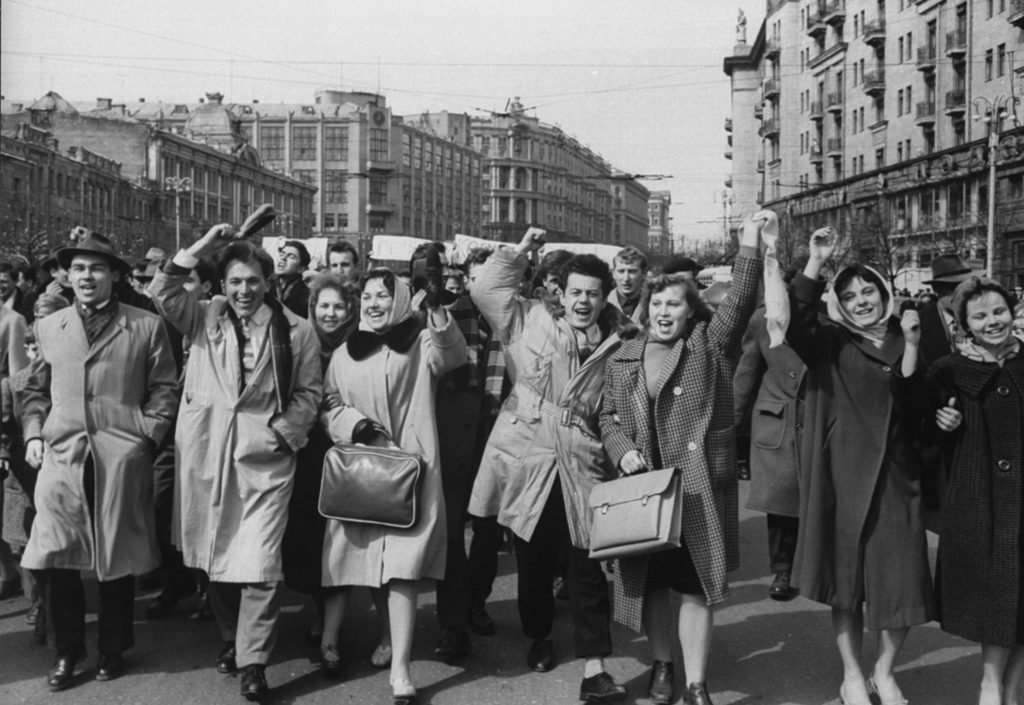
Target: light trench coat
(396, 390)
(233, 481)
(547, 427)
(114, 400)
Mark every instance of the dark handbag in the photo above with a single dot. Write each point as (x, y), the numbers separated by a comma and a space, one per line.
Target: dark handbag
(636, 514)
(370, 485)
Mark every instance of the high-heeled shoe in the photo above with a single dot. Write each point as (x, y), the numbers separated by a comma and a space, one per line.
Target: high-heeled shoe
(898, 700)
(330, 660)
(381, 656)
(844, 700)
(403, 692)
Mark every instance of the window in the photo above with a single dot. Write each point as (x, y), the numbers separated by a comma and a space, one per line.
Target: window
(880, 157)
(379, 144)
(901, 49)
(334, 186)
(378, 190)
(428, 155)
(306, 176)
(988, 60)
(899, 102)
(406, 149)
(272, 143)
(304, 143)
(336, 143)
(417, 152)
(328, 221)
(342, 220)
(1000, 59)
(988, 7)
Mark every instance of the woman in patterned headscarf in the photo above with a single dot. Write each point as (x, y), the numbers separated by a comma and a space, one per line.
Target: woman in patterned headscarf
(861, 545)
(381, 383)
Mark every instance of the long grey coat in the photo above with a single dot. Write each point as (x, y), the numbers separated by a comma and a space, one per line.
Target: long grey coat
(113, 400)
(693, 419)
(768, 386)
(233, 482)
(548, 425)
(397, 391)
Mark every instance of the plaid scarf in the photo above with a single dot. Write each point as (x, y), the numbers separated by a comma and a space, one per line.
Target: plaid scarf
(467, 318)
(95, 322)
(496, 382)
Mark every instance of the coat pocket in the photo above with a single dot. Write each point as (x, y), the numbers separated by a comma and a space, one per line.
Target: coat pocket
(721, 455)
(768, 426)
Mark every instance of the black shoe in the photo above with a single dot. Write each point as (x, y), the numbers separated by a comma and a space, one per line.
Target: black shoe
(109, 667)
(601, 689)
(454, 645)
(205, 611)
(541, 657)
(780, 589)
(697, 694)
(226, 658)
(481, 623)
(660, 687)
(254, 682)
(62, 674)
(162, 605)
(33, 612)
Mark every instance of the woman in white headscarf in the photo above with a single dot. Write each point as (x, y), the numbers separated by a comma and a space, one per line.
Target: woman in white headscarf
(381, 384)
(861, 546)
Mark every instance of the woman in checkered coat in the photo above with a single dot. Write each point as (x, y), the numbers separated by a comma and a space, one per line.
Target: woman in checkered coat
(668, 403)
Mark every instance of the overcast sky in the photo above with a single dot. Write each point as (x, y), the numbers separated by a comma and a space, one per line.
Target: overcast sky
(639, 81)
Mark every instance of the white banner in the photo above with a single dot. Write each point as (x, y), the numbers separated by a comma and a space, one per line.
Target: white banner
(605, 252)
(395, 247)
(459, 250)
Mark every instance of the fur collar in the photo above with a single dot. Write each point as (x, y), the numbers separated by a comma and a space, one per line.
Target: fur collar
(400, 338)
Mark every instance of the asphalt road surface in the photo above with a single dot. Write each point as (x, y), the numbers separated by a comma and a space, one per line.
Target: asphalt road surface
(763, 652)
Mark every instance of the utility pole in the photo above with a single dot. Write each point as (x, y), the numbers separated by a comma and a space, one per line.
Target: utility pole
(992, 113)
(179, 185)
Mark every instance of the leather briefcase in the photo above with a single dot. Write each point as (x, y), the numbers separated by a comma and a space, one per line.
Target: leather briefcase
(636, 514)
(370, 485)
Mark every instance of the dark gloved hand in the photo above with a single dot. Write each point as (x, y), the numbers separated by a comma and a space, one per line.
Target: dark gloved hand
(369, 432)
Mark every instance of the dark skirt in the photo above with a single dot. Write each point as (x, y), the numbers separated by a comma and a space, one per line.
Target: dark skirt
(303, 543)
(674, 570)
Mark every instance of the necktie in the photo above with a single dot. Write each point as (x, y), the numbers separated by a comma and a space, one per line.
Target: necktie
(248, 355)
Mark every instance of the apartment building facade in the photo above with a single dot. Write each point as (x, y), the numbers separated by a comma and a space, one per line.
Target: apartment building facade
(876, 114)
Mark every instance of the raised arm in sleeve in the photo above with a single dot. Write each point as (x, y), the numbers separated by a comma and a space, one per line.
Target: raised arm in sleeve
(805, 328)
(731, 318)
(496, 293)
(444, 347)
(174, 303)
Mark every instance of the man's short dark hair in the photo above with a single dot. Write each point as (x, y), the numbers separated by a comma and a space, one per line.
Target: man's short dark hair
(247, 253)
(9, 269)
(550, 263)
(304, 257)
(477, 256)
(206, 270)
(340, 248)
(589, 266)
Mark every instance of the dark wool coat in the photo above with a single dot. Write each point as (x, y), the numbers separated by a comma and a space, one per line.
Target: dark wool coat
(693, 422)
(861, 537)
(768, 389)
(981, 548)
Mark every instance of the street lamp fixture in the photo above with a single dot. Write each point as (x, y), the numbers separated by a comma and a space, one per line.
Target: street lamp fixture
(180, 185)
(992, 112)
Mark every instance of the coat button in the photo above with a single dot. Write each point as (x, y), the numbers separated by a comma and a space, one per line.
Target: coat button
(792, 375)
(691, 445)
(1003, 391)
(1003, 465)
(678, 391)
(799, 427)
(886, 368)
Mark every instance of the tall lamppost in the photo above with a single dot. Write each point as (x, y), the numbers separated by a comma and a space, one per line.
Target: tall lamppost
(992, 113)
(180, 185)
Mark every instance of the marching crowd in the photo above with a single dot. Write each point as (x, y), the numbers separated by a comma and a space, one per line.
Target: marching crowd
(178, 417)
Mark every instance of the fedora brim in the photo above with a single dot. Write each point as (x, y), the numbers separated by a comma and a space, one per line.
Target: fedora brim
(66, 254)
(951, 278)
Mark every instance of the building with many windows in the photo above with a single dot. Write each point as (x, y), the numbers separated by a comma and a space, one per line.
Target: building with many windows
(223, 178)
(533, 173)
(374, 172)
(874, 116)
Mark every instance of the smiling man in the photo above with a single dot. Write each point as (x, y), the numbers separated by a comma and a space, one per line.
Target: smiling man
(251, 391)
(292, 260)
(629, 268)
(544, 454)
(96, 408)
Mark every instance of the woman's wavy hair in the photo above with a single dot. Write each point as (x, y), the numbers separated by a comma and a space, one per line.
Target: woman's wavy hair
(657, 283)
(382, 273)
(972, 288)
(347, 291)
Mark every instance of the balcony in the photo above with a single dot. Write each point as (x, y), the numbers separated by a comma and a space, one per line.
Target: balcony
(956, 102)
(874, 33)
(817, 113)
(772, 48)
(956, 44)
(925, 113)
(381, 208)
(834, 50)
(382, 165)
(771, 88)
(874, 82)
(816, 155)
(834, 147)
(728, 124)
(926, 57)
(816, 24)
(1016, 14)
(834, 102)
(759, 110)
(835, 12)
(769, 128)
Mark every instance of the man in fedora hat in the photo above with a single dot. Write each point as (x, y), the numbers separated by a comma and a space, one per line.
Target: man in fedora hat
(939, 331)
(105, 386)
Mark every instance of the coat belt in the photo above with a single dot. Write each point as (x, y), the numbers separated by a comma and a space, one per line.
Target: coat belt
(525, 400)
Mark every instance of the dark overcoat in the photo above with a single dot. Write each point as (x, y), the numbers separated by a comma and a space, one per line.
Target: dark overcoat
(768, 387)
(861, 538)
(981, 546)
(693, 422)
